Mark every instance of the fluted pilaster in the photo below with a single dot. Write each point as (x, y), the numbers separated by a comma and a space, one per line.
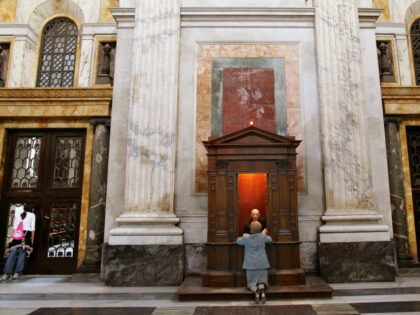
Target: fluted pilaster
(347, 172)
(148, 216)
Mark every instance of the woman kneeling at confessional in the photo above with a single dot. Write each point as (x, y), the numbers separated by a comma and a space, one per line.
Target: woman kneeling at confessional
(21, 244)
(255, 260)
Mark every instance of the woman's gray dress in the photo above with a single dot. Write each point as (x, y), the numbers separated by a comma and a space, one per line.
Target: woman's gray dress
(255, 258)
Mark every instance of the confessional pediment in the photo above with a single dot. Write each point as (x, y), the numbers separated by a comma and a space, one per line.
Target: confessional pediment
(253, 136)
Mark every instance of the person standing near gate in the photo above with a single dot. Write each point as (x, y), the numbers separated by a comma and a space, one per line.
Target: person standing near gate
(22, 242)
(255, 260)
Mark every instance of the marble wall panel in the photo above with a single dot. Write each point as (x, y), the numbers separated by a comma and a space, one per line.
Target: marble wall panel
(56, 124)
(248, 94)
(22, 64)
(402, 108)
(84, 64)
(8, 10)
(411, 222)
(405, 62)
(218, 98)
(402, 11)
(205, 54)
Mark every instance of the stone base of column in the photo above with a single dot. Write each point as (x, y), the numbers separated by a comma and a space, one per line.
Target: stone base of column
(146, 249)
(353, 228)
(357, 261)
(146, 229)
(143, 265)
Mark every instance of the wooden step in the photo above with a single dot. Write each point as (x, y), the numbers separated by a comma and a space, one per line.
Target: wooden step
(192, 290)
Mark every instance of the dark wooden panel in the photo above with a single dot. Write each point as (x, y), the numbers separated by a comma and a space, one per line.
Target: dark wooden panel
(253, 152)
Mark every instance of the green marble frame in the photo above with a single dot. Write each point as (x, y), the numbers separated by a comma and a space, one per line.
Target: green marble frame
(218, 64)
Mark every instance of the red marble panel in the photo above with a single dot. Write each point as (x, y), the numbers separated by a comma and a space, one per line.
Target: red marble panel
(248, 94)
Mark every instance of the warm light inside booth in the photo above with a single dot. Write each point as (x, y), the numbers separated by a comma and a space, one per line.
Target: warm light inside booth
(252, 193)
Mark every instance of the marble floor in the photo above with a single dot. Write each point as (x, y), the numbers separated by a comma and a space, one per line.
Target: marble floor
(86, 294)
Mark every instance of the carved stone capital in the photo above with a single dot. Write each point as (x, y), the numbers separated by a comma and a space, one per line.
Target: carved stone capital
(392, 119)
(94, 121)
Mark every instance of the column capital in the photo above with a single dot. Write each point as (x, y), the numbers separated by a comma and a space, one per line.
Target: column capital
(125, 17)
(389, 118)
(100, 120)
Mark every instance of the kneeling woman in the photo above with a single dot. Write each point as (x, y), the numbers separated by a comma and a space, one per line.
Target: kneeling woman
(255, 260)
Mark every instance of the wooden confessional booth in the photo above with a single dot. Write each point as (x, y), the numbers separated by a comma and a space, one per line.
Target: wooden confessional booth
(247, 169)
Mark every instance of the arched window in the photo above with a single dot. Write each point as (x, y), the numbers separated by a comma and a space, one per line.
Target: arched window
(415, 45)
(58, 54)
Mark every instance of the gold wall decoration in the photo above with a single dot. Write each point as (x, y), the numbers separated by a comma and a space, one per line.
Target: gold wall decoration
(382, 4)
(104, 13)
(8, 10)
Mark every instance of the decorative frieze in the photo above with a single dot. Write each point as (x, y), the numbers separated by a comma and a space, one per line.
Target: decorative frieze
(55, 102)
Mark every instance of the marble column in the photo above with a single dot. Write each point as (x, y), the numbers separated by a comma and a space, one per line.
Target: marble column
(147, 228)
(97, 194)
(351, 220)
(396, 187)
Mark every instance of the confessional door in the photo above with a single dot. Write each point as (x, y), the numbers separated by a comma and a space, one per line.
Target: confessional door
(44, 169)
(252, 194)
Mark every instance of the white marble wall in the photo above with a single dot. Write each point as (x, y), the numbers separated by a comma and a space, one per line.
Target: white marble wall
(191, 207)
(23, 56)
(403, 11)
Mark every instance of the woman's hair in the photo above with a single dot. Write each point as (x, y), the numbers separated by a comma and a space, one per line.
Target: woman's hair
(255, 227)
(26, 208)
